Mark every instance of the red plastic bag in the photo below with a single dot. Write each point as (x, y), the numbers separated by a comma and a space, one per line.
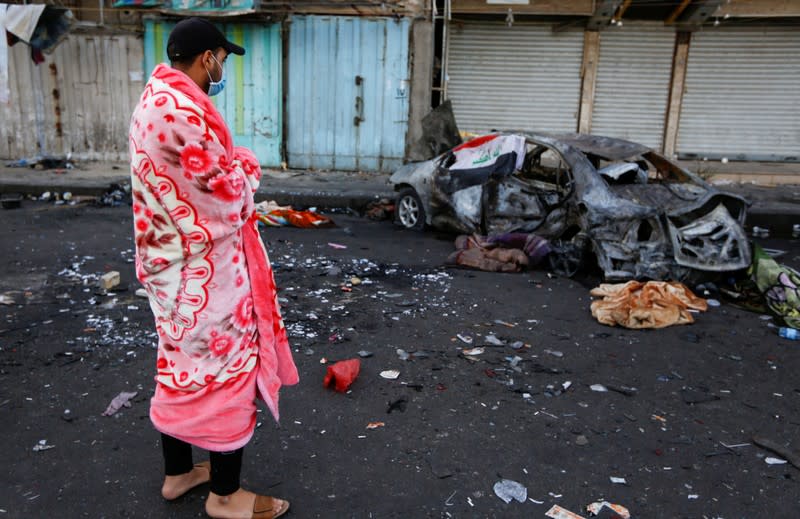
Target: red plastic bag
(342, 374)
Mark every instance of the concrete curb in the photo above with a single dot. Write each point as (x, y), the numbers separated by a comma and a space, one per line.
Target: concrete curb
(354, 197)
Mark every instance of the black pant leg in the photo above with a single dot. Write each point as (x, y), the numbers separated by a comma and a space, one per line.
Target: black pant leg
(177, 456)
(225, 470)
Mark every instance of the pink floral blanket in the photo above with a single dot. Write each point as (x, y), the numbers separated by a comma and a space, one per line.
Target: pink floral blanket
(222, 341)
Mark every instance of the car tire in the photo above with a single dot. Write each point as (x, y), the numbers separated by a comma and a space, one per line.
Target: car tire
(409, 212)
(568, 256)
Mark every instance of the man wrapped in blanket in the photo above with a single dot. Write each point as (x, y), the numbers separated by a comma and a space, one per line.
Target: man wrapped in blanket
(222, 342)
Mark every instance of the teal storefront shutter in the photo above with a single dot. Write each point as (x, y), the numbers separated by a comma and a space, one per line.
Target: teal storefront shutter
(251, 102)
(348, 89)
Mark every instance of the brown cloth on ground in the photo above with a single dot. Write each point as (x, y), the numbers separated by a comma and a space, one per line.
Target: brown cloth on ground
(475, 252)
(655, 304)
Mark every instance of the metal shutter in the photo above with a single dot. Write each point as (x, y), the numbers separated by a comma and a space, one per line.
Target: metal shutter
(523, 77)
(632, 86)
(742, 97)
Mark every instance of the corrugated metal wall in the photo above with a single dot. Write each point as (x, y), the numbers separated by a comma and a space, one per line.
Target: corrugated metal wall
(79, 100)
(742, 97)
(632, 87)
(523, 77)
(347, 92)
(251, 102)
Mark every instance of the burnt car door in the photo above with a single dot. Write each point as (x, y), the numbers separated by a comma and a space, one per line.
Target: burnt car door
(532, 198)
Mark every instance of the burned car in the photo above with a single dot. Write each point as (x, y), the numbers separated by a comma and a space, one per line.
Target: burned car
(640, 214)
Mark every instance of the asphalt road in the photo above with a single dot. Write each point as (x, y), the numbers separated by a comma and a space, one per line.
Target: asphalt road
(452, 426)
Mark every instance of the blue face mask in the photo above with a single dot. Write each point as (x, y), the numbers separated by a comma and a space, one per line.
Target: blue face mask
(215, 87)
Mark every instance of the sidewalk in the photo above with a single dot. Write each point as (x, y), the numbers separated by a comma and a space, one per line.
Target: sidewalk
(775, 207)
(324, 189)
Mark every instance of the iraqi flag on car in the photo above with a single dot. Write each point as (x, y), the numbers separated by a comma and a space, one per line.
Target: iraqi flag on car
(489, 155)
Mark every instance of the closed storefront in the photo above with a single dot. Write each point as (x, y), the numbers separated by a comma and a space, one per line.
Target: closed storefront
(523, 77)
(742, 95)
(251, 102)
(633, 79)
(78, 101)
(348, 91)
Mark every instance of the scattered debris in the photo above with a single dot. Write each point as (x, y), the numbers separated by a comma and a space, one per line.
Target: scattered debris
(494, 341)
(121, 400)
(600, 388)
(556, 512)
(397, 405)
(273, 215)
(109, 280)
(473, 351)
(624, 390)
(697, 396)
(618, 481)
(42, 446)
(784, 452)
(509, 490)
(466, 339)
(140, 292)
(390, 374)
(338, 246)
(11, 201)
(116, 195)
(342, 374)
(375, 425)
(382, 209)
(604, 507)
(775, 461)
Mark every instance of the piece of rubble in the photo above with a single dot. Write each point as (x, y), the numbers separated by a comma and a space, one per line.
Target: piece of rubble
(109, 280)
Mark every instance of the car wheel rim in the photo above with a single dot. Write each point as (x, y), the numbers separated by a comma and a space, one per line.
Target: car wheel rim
(409, 211)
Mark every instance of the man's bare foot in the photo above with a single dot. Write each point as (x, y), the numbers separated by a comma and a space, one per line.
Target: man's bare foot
(244, 504)
(175, 486)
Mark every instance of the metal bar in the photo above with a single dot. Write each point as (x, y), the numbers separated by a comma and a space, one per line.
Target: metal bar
(445, 49)
(623, 8)
(677, 12)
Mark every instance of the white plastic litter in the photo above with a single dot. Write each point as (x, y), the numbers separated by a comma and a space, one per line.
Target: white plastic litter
(509, 490)
(390, 374)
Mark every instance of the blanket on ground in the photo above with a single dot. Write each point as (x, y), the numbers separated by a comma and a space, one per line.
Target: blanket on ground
(654, 304)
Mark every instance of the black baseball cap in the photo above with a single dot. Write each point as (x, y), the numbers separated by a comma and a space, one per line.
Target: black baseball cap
(193, 36)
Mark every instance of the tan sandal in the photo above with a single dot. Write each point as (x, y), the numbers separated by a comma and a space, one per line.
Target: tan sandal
(267, 507)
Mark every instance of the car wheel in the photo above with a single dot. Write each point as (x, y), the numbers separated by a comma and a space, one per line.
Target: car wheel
(409, 212)
(568, 256)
